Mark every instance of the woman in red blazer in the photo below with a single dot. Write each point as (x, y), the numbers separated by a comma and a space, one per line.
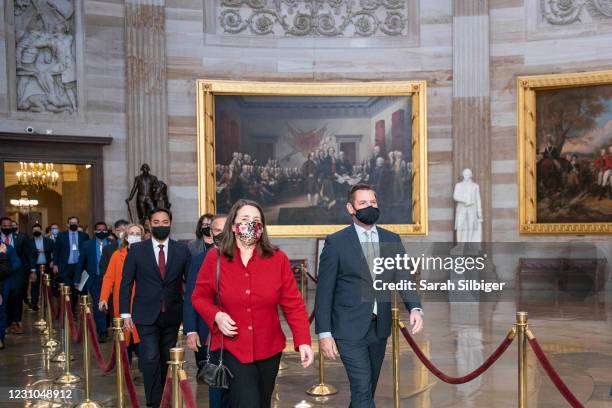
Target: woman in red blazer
(255, 279)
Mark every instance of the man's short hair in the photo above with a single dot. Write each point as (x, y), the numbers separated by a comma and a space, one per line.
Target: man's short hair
(100, 223)
(158, 210)
(216, 217)
(37, 225)
(351, 194)
(121, 222)
(71, 217)
(5, 218)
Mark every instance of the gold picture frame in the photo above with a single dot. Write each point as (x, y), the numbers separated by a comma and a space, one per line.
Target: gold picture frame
(417, 90)
(527, 88)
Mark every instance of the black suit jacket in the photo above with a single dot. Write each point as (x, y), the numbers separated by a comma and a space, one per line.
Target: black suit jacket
(105, 257)
(24, 252)
(345, 294)
(140, 269)
(47, 248)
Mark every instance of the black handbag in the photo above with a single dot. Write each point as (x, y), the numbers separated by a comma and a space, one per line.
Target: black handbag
(215, 375)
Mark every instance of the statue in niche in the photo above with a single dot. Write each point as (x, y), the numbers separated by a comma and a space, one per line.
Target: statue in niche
(45, 56)
(150, 193)
(468, 212)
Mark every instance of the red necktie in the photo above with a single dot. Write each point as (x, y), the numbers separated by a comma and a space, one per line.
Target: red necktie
(162, 270)
(7, 240)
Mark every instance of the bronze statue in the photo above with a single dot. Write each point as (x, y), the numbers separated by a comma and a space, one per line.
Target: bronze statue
(150, 194)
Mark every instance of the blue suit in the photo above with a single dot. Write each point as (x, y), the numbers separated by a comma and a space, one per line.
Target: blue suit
(61, 255)
(8, 285)
(89, 260)
(193, 322)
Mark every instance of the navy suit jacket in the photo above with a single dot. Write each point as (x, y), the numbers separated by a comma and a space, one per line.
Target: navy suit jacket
(345, 294)
(192, 321)
(47, 248)
(141, 269)
(61, 251)
(88, 261)
(24, 252)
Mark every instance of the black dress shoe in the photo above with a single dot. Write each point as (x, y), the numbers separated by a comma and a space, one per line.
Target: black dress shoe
(102, 337)
(34, 308)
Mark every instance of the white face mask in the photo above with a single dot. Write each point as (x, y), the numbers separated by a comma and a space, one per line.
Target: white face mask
(132, 239)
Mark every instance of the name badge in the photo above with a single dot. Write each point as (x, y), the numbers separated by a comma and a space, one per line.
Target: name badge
(74, 247)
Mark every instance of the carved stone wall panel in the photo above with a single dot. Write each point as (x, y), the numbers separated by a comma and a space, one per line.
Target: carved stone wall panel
(566, 12)
(314, 18)
(45, 56)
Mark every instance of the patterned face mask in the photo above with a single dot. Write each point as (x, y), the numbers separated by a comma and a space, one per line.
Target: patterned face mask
(249, 232)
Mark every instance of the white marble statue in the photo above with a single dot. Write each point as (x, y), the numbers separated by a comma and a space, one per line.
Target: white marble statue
(468, 213)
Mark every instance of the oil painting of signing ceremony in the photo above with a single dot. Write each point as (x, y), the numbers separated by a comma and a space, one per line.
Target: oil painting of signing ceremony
(306, 204)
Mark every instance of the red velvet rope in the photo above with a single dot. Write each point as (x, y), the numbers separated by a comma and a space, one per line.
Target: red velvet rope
(127, 374)
(167, 394)
(456, 380)
(76, 334)
(552, 374)
(55, 310)
(311, 317)
(187, 394)
(104, 366)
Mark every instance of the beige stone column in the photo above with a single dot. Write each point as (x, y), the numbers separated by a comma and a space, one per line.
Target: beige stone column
(471, 98)
(147, 118)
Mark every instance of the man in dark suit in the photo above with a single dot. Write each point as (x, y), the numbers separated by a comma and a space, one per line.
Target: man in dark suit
(352, 319)
(42, 254)
(89, 260)
(17, 295)
(158, 268)
(193, 325)
(66, 254)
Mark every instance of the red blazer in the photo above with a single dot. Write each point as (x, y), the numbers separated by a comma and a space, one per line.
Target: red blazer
(251, 296)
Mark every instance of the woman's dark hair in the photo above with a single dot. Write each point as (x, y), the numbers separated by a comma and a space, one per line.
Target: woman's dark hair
(228, 244)
(198, 231)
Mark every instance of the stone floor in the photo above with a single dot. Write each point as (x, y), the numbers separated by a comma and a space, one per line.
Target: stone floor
(458, 337)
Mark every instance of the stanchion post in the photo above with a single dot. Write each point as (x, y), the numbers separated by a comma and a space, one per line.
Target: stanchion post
(61, 356)
(42, 295)
(87, 402)
(51, 342)
(67, 377)
(321, 389)
(303, 281)
(177, 357)
(521, 331)
(118, 334)
(395, 327)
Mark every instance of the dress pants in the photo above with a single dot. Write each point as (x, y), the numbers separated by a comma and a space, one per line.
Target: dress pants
(6, 288)
(35, 288)
(363, 360)
(156, 340)
(253, 383)
(67, 278)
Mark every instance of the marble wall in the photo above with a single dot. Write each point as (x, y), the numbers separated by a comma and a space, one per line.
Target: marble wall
(521, 40)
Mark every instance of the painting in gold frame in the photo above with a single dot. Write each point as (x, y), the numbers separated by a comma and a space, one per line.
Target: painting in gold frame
(209, 96)
(564, 136)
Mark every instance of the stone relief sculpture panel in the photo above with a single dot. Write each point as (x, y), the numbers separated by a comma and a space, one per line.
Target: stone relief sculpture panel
(45, 57)
(565, 12)
(306, 18)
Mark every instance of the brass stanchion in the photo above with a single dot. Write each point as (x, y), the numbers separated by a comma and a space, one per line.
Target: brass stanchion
(51, 342)
(85, 311)
(67, 377)
(42, 295)
(118, 332)
(61, 356)
(321, 389)
(395, 331)
(177, 356)
(303, 282)
(521, 329)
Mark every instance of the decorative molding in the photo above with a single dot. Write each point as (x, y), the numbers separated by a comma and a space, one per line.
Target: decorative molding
(314, 18)
(566, 12)
(45, 56)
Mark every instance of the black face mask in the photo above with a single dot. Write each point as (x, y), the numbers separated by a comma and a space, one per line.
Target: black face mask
(217, 239)
(368, 215)
(6, 231)
(15, 230)
(37, 233)
(73, 227)
(205, 231)
(160, 233)
(101, 235)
